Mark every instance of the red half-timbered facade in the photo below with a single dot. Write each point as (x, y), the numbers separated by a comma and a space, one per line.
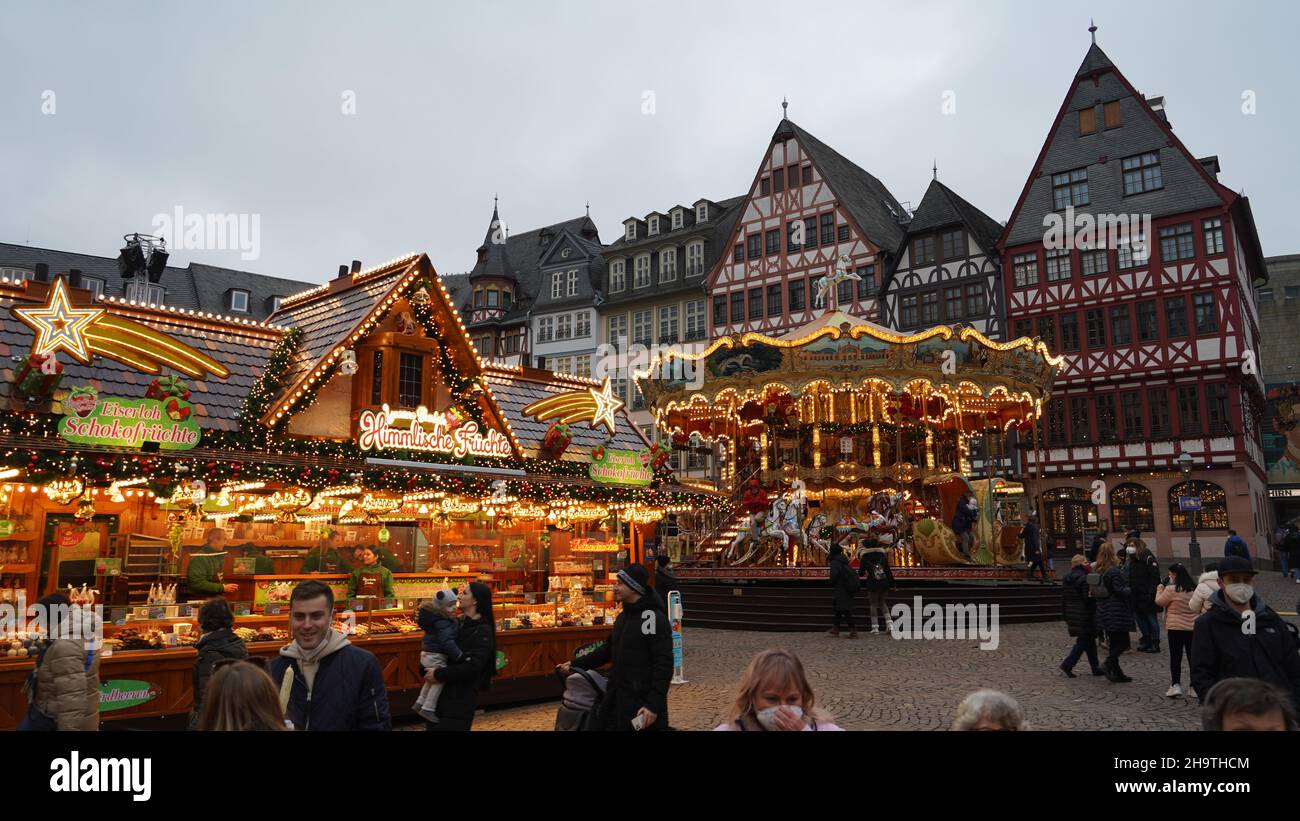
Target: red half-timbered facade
(1155, 321)
(806, 207)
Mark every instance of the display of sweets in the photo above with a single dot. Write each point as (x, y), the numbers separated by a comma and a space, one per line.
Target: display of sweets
(13, 554)
(20, 644)
(162, 594)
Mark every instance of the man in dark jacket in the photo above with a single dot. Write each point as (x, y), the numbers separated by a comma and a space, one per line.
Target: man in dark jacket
(1229, 643)
(217, 643)
(1144, 578)
(1236, 546)
(963, 520)
(1078, 609)
(665, 579)
(335, 686)
(1033, 549)
(845, 583)
(640, 652)
(878, 579)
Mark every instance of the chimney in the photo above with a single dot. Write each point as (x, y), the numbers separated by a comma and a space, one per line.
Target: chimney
(356, 266)
(1211, 165)
(1158, 106)
(74, 277)
(42, 272)
(343, 271)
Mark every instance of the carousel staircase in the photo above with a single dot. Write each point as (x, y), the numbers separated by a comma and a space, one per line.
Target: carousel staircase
(793, 606)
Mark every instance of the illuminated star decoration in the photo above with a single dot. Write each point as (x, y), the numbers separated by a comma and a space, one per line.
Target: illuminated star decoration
(595, 407)
(84, 332)
(59, 326)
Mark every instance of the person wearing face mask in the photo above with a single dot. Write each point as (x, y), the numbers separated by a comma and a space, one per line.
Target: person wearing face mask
(1114, 609)
(1242, 637)
(1174, 596)
(775, 694)
(1143, 578)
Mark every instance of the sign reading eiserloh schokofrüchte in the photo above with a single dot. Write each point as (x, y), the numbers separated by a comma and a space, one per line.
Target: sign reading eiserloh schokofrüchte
(620, 467)
(129, 423)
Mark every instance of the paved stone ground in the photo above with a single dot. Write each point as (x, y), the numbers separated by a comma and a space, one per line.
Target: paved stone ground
(878, 683)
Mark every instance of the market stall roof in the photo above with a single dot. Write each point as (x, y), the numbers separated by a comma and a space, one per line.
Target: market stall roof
(517, 388)
(242, 346)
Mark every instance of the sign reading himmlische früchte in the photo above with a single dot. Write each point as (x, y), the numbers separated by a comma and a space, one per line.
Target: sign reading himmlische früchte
(388, 429)
(129, 423)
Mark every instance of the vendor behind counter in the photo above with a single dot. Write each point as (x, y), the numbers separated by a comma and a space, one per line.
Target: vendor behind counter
(327, 557)
(372, 578)
(204, 574)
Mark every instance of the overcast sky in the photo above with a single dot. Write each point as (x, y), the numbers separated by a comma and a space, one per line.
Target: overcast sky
(239, 108)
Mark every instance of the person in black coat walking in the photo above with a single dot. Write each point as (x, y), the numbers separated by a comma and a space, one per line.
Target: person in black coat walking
(1080, 612)
(1033, 549)
(640, 654)
(878, 579)
(463, 680)
(1114, 610)
(218, 642)
(1144, 578)
(1228, 644)
(845, 583)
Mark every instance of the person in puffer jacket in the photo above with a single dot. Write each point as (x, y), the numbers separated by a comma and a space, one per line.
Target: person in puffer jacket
(1114, 611)
(1174, 596)
(1206, 586)
(63, 690)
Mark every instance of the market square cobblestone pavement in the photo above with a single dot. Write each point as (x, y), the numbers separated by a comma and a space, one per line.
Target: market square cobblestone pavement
(879, 683)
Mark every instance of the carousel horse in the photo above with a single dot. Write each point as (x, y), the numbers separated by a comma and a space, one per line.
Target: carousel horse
(815, 533)
(752, 533)
(826, 284)
(783, 524)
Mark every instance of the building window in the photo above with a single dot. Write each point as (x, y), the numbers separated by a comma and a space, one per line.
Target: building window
(1112, 115)
(1291, 292)
(617, 275)
(678, 218)
(807, 175)
(545, 329)
(910, 317)
(510, 344)
(1106, 430)
(1132, 252)
(1047, 331)
(719, 311)
(96, 288)
(506, 298)
(773, 242)
(641, 328)
(796, 295)
(755, 303)
(562, 364)
(954, 244)
(1264, 295)
(17, 274)
(1070, 188)
(1142, 173)
(616, 329)
(1088, 121)
(1175, 317)
(778, 180)
(564, 326)
(844, 293)
(702, 212)
(629, 232)
(694, 320)
(695, 259)
(866, 281)
(410, 380)
(790, 245)
(557, 285)
(1094, 262)
(1131, 407)
(377, 379)
(842, 233)
(810, 232)
(652, 226)
(1130, 509)
(1058, 264)
(1121, 331)
(239, 301)
(1213, 230)
(1070, 332)
(1023, 328)
(952, 304)
(668, 324)
(1216, 401)
(738, 253)
(1056, 421)
(1147, 327)
(619, 386)
(976, 301)
(1080, 420)
(145, 293)
(1213, 514)
(1204, 314)
(764, 187)
(1095, 323)
(930, 308)
(642, 275)
(581, 324)
(828, 228)
(638, 398)
(1176, 243)
(738, 307)
(668, 265)
(923, 251)
(485, 346)
(493, 297)
(1158, 402)
(754, 246)
(1189, 411)
(572, 279)
(582, 365)
(1024, 269)
(774, 299)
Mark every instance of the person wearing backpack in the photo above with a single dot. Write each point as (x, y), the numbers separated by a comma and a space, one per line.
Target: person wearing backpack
(878, 579)
(845, 584)
(1109, 586)
(1080, 612)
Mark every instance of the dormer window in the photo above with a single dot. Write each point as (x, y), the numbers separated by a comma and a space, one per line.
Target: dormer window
(653, 223)
(145, 293)
(239, 301)
(17, 274)
(617, 275)
(629, 232)
(94, 285)
(702, 212)
(557, 285)
(679, 218)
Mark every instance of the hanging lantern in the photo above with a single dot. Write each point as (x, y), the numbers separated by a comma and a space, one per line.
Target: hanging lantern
(85, 510)
(63, 490)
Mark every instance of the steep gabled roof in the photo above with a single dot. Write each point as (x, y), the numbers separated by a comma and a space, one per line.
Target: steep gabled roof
(493, 260)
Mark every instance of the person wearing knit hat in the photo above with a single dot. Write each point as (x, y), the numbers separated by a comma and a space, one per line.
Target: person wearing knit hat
(639, 651)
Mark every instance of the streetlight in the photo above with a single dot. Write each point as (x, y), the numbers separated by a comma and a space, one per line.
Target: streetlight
(1194, 547)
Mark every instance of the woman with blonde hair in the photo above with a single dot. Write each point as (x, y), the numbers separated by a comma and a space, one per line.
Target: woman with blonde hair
(241, 696)
(775, 694)
(1109, 586)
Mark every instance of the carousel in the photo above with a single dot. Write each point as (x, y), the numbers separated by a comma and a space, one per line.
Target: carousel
(846, 432)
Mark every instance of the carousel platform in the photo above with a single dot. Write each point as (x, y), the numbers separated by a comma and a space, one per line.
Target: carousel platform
(798, 599)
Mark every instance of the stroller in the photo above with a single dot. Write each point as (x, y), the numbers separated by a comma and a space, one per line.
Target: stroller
(583, 691)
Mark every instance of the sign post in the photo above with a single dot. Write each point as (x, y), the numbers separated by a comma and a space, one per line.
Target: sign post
(675, 619)
(1190, 505)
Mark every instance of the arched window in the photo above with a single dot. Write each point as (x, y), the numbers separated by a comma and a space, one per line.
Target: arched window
(1070, 516)
(1130, 509)
(1213, 514)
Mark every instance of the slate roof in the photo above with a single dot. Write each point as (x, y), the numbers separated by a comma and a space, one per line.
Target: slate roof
(195, 287)
(217, 402)
(866, 198)
(941, 207)
(514, 391)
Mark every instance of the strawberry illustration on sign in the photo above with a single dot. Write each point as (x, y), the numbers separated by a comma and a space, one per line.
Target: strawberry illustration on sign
(82, 400)
(165, 386)
(177, 410)
(598, 453)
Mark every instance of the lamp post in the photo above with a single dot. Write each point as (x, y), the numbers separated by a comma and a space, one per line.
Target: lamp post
(1193, 547)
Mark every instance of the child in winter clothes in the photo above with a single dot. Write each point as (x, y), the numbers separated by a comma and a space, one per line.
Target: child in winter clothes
(1207, 585)
(1174, 596)
(437, 620)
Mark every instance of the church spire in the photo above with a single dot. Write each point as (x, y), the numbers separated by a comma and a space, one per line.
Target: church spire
(1092, 29)
(492, 260)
